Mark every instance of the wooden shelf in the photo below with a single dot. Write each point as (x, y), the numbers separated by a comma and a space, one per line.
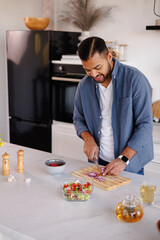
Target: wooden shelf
(153, 27)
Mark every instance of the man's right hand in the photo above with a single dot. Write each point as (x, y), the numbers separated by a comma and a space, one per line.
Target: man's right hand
(90, 147)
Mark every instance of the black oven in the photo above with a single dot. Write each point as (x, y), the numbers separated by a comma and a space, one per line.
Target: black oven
(65, 79)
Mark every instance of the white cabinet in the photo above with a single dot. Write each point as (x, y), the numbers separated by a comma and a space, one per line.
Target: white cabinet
(153, 168)
(65, 141)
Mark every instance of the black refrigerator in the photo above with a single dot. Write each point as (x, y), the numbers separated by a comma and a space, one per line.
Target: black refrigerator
(29, 56)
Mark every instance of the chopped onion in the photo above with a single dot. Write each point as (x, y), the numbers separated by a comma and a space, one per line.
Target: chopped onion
(95, 175)
(102, 169)
(92, 174)
(100, 178)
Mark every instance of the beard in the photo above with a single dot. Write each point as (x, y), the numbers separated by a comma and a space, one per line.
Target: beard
(105, 77)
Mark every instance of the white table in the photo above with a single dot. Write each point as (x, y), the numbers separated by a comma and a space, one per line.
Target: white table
(37, 210)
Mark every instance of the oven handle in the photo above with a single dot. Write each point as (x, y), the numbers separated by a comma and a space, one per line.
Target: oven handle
(66, 79)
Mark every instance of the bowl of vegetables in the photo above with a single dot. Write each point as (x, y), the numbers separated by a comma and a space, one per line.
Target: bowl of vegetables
(55, 166)
(76, 190)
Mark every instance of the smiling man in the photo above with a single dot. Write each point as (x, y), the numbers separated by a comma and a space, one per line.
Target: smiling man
(113, 111)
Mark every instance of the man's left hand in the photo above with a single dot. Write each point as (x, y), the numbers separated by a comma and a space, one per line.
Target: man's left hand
(115, 167)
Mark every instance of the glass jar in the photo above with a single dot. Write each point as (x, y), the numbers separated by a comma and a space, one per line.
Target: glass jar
(122, 52)
(115, 49)
(147, 191)
(129, 210)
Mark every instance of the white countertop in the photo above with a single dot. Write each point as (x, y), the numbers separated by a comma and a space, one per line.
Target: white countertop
(37, 209)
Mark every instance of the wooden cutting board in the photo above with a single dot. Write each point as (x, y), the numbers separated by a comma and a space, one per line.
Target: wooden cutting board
(109, 183)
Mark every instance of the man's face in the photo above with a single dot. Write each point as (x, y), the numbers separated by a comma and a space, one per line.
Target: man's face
(99, 67)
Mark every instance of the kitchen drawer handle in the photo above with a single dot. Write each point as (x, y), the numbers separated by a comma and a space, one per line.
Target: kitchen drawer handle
(66, 79)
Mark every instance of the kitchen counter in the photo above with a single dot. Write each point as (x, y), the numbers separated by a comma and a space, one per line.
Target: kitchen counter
(37, 210)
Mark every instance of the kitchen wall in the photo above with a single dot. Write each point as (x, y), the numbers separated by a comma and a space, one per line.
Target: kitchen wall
(127, 25)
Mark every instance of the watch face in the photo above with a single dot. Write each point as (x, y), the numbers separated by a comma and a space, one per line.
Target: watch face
(124, 158)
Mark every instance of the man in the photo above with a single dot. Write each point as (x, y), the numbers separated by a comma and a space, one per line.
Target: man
(113, 111)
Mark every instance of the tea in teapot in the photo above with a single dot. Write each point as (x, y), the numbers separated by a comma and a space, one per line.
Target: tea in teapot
(129, 210)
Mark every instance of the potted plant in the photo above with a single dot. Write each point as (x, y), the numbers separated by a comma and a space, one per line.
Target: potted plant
(84, 14)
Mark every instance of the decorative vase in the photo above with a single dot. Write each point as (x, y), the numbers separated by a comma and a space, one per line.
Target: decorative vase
(84, 35)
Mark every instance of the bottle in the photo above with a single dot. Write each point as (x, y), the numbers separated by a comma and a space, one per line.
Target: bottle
(20, 163)
(5, 165)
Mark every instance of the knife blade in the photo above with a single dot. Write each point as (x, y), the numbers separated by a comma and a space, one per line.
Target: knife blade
(98, 167)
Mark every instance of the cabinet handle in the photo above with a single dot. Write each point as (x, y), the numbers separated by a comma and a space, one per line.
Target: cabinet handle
(65, 79)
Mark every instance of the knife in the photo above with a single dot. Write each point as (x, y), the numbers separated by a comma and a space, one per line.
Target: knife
(96, 162)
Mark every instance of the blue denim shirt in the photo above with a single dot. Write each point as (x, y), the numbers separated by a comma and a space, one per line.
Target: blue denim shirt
(132, 120)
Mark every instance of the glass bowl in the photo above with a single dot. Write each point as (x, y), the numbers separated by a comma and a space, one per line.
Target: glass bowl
(77, 190)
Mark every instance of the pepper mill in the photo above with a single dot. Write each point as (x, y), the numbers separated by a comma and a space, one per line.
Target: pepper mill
(20, 163)
(5, 165)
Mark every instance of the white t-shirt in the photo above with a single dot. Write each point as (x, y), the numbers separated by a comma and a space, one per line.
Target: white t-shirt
(106, 139)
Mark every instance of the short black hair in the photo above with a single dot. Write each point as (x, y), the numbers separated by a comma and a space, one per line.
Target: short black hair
(90, 46)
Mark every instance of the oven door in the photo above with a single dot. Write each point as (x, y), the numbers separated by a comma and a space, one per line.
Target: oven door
(63, 93)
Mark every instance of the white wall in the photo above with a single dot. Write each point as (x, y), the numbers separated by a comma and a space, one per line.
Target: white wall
(12, 13)
(127, 24)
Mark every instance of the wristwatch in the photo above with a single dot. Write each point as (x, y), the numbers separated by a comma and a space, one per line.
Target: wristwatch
(124, 159)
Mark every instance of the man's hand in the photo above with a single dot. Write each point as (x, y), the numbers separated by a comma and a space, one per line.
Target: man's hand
(90, 147)
(91, 150)
(115, 167)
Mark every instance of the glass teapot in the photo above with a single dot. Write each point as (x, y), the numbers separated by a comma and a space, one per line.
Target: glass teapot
(130, 209)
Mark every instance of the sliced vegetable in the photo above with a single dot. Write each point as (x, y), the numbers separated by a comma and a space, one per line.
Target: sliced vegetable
(96, 175)
(100, 178)
(92, 174)
(102, 169)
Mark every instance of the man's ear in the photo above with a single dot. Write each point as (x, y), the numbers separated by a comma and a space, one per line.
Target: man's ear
(110, 56)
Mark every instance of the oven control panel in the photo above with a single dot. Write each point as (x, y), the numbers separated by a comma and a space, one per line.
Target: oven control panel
(67, 70)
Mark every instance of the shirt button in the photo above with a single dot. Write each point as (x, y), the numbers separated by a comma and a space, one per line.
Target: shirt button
(99, 132)
(100, 117)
